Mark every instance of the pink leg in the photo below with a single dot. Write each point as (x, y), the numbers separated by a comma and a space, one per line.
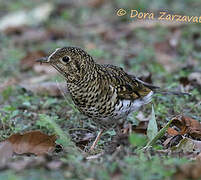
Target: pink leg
(96, 140)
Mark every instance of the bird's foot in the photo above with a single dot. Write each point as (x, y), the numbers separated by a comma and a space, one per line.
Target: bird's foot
(127, 129)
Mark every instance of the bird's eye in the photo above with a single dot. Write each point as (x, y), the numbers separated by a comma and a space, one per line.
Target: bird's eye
(66, 59)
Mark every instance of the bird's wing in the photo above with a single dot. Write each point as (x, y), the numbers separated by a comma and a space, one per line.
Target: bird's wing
(127, 86)
(151, 86)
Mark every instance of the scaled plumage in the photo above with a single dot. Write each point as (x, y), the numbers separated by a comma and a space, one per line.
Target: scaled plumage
(105, 93)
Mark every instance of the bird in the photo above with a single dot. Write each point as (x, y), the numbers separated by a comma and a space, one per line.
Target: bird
(103, 92)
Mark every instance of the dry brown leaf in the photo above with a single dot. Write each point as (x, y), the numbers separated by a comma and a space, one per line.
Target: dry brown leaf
(188, 125)
(34, 142)
(141, 127)
(172, 132)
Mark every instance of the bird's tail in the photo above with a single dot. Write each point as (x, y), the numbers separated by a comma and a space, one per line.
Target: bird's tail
(159, 90)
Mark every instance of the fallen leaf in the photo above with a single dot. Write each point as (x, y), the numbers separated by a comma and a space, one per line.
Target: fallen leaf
(188, 126)
(34, 142)
(172, 132)
(172, 141)
(141, 127)
(187, 145)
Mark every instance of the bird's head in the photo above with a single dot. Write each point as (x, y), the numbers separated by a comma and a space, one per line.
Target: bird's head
(72, 62)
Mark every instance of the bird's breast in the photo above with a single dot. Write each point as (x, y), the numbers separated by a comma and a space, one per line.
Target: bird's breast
(94, 99)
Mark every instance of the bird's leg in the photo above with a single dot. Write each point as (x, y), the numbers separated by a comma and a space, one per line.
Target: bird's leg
(118, 129)
(127, 128)
(96, 140)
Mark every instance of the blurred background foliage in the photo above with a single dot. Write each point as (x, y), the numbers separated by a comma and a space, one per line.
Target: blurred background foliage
(164, 53)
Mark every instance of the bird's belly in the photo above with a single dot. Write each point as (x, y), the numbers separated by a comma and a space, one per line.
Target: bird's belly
(120, 110)
(124, 107)
(107, 109)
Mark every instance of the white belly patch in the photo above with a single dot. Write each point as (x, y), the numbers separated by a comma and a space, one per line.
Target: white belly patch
(126, 106)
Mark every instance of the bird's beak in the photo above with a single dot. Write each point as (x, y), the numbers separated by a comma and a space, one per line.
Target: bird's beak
(43, 60)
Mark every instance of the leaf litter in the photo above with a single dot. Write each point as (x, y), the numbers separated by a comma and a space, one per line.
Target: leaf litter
(32, 142)
(109, 34)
